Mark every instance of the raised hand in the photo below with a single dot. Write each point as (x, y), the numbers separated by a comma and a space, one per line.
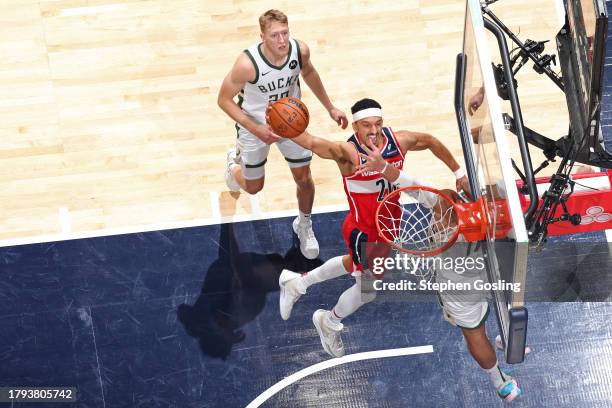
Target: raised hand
(265, 134)
(373, 160)
(463, 184)
(339, 117)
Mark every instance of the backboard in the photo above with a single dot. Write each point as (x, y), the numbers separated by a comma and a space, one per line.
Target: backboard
(491, 176)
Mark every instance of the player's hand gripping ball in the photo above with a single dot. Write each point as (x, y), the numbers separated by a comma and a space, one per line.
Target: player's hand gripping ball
(288, 117)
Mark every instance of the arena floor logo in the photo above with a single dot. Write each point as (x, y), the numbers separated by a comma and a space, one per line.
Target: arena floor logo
(595, 214)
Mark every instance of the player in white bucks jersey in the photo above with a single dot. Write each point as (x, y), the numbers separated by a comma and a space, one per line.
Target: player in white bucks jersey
(262, 74)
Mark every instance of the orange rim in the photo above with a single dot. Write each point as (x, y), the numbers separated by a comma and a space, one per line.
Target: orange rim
(436, 251)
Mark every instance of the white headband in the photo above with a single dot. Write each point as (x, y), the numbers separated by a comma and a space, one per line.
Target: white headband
(366, 113)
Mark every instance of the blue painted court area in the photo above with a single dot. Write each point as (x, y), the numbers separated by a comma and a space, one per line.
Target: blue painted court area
(189, 318)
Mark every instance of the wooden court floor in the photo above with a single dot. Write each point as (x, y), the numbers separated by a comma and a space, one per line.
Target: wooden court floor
(108, 115)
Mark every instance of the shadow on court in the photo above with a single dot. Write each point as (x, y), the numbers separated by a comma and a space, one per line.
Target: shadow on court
(234, 293)
(571, 269)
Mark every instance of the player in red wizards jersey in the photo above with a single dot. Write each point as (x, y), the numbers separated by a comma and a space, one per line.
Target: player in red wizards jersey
(364, 190)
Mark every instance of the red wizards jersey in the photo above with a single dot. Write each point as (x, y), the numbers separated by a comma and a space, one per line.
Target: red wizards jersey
(365, 191)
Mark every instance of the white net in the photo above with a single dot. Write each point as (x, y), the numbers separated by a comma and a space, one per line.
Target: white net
(418, 221)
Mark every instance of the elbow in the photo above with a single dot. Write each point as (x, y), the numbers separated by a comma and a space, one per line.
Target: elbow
(429, 141)
(223, 98)
(224, 105)
(434, 144)
(220, 101)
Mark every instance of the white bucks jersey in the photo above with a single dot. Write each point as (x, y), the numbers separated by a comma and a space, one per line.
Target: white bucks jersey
(271, 82)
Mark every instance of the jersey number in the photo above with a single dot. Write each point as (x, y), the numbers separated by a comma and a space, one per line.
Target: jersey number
(275, 97)
(385, 188)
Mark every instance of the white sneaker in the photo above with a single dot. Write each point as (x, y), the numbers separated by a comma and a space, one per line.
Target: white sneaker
(329, 333)
(230, 180)
(308, 242)
(289, 292)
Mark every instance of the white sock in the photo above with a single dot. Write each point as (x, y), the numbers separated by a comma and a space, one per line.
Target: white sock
(332, 268)
(304, 218)
(351, 300)
(497, 377)
(333, 318)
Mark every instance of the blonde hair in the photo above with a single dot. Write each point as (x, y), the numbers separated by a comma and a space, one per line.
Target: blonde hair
(270, 16)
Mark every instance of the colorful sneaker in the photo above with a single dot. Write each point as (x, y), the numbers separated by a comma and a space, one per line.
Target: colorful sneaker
(509, 390)
(289, 292)
(309, 246)
(329, 333)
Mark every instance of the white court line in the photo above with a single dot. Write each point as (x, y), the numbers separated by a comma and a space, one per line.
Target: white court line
(214, 205)
(64, 219)
(609, 239)
(201, 222)
(323, 365)
(255, 208)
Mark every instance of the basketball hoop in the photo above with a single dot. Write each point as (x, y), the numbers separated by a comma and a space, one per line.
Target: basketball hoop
(424, 221)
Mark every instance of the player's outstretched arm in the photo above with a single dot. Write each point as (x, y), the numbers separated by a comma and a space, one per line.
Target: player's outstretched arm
(313, 80)
(326, 149)
(242, 71)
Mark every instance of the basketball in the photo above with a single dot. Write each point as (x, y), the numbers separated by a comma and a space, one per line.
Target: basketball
(288, 117)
